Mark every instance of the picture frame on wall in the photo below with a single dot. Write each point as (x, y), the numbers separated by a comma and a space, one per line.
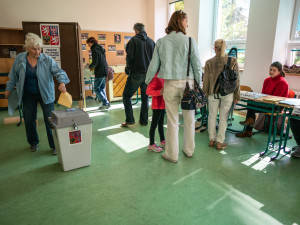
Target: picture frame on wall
(120, 52)
(101, 37)
(84, 36)
(111, 48)
(117, 38)
(83, 47)
(126, 40)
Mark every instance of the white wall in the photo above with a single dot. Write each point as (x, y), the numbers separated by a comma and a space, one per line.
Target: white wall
(114, 15)
(260, 42)
(160, 18)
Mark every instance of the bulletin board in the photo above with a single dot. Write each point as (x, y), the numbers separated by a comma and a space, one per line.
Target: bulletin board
(113, 43)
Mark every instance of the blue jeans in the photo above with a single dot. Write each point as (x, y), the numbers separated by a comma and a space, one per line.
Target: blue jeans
(30, 102)
(99, 88)
(132, 84)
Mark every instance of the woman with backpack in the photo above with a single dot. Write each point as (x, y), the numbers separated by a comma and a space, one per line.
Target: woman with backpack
(212, 70)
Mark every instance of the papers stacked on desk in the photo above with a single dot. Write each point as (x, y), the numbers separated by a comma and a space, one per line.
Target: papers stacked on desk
(291, 101)
(296, 110)
(251, 95)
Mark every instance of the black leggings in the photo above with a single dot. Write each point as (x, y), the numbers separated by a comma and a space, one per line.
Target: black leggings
(157, 119)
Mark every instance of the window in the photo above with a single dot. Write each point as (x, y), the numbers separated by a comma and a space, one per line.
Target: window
(174, 6)
(232, 17)
(293, 55)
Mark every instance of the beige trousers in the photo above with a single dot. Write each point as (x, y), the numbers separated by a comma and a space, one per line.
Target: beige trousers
(214, 105)
(173, 92)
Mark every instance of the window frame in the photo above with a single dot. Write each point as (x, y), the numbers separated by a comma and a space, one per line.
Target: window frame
(169, 6)
(295, 21)
(239, 44)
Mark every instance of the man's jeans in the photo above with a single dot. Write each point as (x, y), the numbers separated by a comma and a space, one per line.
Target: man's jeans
(99, 88)
(30, 102)
(132, 85)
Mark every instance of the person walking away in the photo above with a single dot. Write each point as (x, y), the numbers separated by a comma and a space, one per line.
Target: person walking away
(99, 65)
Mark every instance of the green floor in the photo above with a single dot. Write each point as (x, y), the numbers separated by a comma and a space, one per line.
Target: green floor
(139, 187)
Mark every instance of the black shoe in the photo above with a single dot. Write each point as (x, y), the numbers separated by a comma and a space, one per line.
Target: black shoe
(143, 124)
(53, 151)
(33, 148)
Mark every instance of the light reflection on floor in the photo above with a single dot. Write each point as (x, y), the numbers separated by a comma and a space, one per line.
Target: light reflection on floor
(129, 141)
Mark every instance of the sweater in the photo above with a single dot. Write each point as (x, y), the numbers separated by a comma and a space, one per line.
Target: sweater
(213, 68)
(277, 86)
(171, 57)
(154, 90)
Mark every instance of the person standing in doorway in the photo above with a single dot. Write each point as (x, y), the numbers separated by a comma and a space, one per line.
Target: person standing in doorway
(99, 65)
(139, 52)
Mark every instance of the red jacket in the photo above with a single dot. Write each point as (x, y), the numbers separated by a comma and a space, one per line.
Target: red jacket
(277, 86)
(153, 90)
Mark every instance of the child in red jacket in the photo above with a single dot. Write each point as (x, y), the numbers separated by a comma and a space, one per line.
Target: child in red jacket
(155, 89)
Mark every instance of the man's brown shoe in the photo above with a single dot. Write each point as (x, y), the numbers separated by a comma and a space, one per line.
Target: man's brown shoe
(247, 122)
(246, 133)
(221, 146)
(211, 143)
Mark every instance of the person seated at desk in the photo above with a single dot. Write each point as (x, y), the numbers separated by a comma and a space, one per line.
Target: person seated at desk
(295, 127)
(275, 85)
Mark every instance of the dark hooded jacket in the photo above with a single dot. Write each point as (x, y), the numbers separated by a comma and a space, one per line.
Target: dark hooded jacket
(139, 51)
(98, 61)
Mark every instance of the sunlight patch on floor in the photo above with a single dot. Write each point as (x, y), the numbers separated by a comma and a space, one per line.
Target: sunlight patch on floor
(129, 141)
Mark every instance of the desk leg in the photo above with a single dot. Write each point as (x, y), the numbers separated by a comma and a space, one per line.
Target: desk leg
(287, 134)
(270, 134)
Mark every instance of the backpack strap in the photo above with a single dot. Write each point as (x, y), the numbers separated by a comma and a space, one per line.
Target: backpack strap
(229, 61)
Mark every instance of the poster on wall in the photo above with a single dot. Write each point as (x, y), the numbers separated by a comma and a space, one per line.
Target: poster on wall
(120, 52)
(84, 36)
(83, 47)
(126, 40)
(50, 34)
(117, 38)
(111, 48)
(102, 37)
(54, 53)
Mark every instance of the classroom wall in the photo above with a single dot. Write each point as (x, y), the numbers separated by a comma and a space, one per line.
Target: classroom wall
(116, 15)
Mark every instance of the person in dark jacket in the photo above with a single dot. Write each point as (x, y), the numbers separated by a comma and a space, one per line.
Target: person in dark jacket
(139, 52)
(99, 65)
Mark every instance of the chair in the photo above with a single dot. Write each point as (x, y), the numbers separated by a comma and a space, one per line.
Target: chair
(245, 88)
(291, 94)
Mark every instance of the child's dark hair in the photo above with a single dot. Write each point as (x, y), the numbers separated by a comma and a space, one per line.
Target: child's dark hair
(278, 65)
(91, 40)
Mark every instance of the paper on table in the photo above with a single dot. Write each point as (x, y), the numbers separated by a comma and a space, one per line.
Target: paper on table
(13, 102)
(65, 99)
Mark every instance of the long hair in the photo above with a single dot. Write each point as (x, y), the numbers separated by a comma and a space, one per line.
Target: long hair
(91, 40)
(220, 44)
(278, 65)
(175, 23)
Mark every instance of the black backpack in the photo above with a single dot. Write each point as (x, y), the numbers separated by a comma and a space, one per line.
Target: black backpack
(226, 82)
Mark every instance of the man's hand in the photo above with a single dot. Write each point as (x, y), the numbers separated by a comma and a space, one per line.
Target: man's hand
(62, 87)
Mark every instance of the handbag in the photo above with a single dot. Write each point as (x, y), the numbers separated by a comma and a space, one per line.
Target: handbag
(110, 73)
(192, 98)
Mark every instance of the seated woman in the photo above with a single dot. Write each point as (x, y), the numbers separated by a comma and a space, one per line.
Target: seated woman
(275, 85)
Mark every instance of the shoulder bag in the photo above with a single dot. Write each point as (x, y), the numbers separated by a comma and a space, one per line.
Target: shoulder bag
(192, 98)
